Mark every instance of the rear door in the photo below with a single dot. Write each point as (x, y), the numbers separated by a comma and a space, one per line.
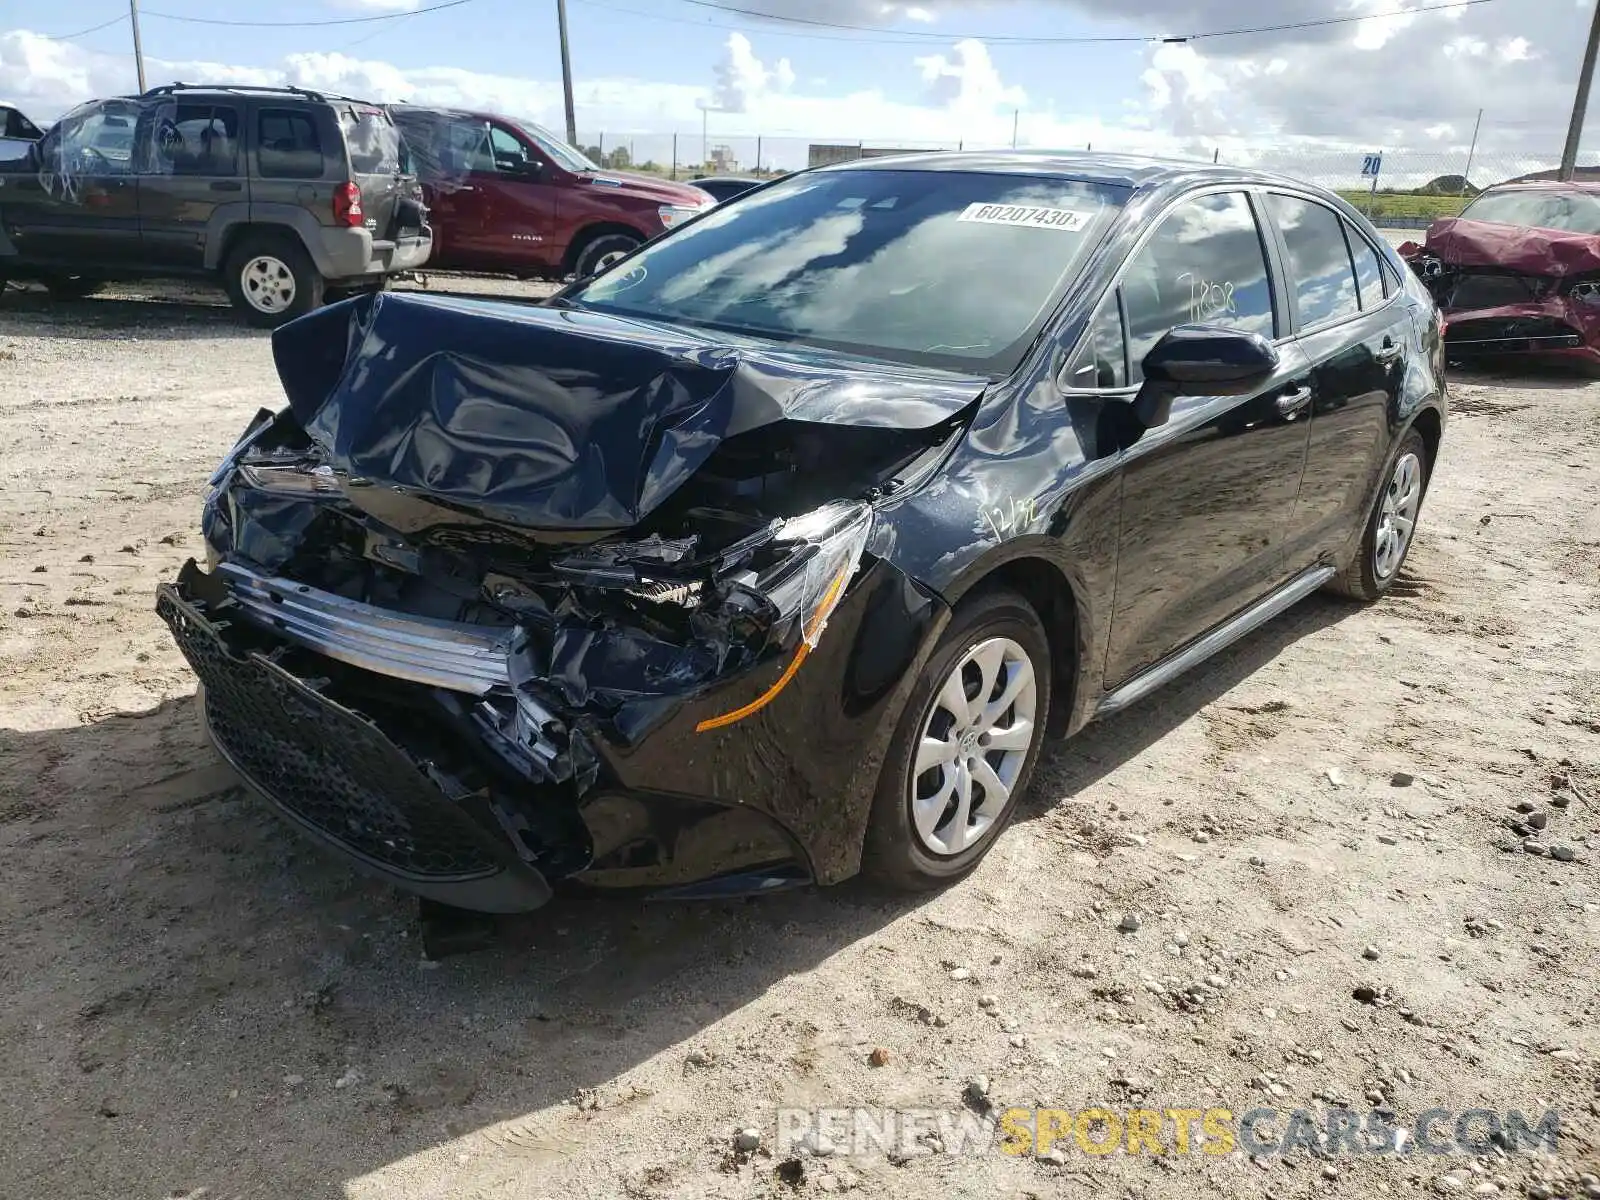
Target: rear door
(1207, 497)
(192, 166)
(1355, 338)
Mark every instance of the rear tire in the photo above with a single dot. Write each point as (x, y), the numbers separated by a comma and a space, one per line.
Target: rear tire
(271, 279)
(600, 252)
(918, 837)
(1391, 524)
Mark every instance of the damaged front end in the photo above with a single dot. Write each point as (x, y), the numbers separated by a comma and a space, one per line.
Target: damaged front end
(507, 595)
(1507, 290)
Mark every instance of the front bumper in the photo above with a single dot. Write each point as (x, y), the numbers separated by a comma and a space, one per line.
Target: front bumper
(378, 733)
(339, 777)
(1556, 328)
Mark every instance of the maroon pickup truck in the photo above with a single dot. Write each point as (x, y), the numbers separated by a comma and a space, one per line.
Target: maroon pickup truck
(506, 195)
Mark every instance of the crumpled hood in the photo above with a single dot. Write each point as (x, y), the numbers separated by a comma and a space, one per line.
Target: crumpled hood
(562, 420)
(1551, 252)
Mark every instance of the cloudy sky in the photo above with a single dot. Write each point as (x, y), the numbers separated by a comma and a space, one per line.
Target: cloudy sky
(932, 72)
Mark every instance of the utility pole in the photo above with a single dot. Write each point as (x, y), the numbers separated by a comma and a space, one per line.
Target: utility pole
(138, 50)
(566, 74)
(1016, 117)
(1580, 105)
(1466, 179)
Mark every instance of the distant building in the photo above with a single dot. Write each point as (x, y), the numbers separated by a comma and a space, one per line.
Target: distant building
(821, 154)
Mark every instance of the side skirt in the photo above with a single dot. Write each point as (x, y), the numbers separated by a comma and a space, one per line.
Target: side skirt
(1196, 652)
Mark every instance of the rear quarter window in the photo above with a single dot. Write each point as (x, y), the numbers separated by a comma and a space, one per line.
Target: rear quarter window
(288, 145)
(373, 140)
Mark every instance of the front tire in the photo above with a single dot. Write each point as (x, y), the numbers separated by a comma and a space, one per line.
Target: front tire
(600, 252)
(271, 279)
(965, 747)
(1391, 525)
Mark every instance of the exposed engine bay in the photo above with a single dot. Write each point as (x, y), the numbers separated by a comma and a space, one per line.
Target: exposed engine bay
(482, 547)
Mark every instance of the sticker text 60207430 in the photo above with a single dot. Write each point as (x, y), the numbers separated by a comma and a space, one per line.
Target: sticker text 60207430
(1064, 219)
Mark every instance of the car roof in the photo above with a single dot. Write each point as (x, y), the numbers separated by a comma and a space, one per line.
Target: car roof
(474, 114)
(1124, 170)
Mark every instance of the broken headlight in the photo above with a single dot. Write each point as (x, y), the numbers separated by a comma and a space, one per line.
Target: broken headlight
(814, 559)
(817, 555)
(297, 480)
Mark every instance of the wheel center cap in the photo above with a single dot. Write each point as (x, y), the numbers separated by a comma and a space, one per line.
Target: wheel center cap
(969, 743)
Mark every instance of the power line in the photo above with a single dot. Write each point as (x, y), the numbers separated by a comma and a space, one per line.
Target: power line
(1026, 40)
(394, 16)
(906, 39)
(67, 37)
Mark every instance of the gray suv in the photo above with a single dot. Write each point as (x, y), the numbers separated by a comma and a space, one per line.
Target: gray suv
(287, 197)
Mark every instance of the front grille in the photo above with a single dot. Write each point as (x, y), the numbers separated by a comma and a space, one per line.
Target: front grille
(325, 765)
(1474, 290)
(1511, 333)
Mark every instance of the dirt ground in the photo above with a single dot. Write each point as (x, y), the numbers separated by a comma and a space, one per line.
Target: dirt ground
(199, 1003)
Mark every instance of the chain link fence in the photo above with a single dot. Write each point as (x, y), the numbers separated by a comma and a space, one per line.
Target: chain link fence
(1410, 190)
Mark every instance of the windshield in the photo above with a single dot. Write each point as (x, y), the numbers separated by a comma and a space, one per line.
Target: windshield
(1571, 212)
(556, 150)
(940, 268)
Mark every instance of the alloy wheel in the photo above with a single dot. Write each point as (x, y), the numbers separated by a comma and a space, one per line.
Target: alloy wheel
(268, 284)
(1397, 518)
(973, 745)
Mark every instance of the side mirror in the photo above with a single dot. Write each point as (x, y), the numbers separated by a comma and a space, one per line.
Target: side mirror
(1202, 360)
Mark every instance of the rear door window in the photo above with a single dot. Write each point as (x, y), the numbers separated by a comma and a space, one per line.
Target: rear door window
(1204, 265)
(1321, 277)
(288, 145)
(194, 139)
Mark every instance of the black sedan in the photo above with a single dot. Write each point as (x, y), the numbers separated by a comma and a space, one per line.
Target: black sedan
(726, 187)
(775, 552)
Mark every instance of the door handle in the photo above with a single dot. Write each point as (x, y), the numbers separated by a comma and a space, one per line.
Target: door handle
(1391, 351)
(1292, 401)
(227, 185)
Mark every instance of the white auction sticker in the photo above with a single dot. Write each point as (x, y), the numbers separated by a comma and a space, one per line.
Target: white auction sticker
(1067, 219)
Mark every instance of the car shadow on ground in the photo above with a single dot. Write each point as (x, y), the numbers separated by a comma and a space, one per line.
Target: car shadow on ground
(1525, 374)
(159, 915)
(170, 315)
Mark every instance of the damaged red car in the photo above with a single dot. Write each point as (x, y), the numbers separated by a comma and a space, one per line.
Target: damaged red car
(1518, 272)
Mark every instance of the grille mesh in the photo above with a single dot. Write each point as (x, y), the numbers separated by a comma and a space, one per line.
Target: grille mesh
(324, 764)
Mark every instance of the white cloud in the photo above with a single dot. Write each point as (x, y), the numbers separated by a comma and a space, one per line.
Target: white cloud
(742, 78)
(1517, 49)
(1395, 79)
(967, 80)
